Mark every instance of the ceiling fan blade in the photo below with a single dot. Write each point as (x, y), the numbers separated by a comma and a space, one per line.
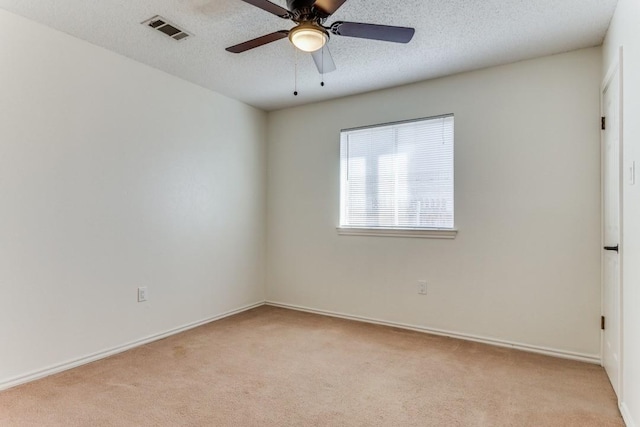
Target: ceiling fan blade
(323, 60)
(373, 31)
(260, 41)
(270, 7)
(328, 7)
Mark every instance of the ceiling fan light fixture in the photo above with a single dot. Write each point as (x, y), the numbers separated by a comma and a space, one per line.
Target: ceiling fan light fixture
(308, 38)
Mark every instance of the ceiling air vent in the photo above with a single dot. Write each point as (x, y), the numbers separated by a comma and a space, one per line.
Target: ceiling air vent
(167, 28)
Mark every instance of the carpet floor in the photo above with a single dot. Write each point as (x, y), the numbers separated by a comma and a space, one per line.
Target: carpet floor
(277, 367)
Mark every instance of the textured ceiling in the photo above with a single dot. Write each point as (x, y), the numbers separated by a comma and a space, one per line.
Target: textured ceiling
(451, 36)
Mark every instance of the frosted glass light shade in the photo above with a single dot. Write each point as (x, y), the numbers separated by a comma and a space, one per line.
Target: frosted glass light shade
(308, 38)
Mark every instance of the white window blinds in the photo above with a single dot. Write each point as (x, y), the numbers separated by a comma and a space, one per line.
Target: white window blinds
(398, 175)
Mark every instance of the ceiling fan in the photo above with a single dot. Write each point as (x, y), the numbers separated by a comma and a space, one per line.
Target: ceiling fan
(310, 34)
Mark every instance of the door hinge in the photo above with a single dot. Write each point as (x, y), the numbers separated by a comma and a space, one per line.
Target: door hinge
(602, 322)
(603, 123)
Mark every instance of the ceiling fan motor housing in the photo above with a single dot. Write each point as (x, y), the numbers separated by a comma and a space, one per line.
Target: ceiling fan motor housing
(300, 4)
(303, 11)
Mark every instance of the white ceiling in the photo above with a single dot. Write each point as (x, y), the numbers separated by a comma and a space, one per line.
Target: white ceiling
(451, 36)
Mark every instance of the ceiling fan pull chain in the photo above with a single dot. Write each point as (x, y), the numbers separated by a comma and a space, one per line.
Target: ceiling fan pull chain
(322, 71)
(295, 73)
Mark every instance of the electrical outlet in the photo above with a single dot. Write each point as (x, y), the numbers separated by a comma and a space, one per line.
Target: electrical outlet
(422, 287)
(143, 294)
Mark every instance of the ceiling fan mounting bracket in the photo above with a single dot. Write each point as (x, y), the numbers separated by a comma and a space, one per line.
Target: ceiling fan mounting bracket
(335, 28)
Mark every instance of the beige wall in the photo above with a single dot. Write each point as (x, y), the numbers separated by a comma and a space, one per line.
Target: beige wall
(624, 33)
(525, 266)
(112, 176)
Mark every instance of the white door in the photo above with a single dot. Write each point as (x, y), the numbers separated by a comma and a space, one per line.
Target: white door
(611, 211)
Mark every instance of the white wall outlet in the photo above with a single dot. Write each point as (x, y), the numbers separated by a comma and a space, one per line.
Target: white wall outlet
(422, 287)
(143, 294)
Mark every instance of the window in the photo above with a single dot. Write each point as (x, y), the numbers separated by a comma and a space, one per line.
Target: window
(398, 177)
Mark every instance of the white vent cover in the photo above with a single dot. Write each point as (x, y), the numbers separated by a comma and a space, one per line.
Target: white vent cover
(167, 28)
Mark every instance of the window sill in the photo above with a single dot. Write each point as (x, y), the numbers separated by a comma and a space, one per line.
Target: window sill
(433, 233)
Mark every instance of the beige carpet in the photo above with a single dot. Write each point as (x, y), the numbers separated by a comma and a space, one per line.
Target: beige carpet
(276, 367)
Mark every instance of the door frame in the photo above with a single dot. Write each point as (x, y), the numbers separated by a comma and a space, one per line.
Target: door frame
(616, 68)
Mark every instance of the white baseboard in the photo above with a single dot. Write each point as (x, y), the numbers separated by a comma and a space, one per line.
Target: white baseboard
(589, 358)
(35, 375)
(32, 376)
(626, 415)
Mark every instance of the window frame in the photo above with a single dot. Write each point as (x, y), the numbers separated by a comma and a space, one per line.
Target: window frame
(420, 232)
